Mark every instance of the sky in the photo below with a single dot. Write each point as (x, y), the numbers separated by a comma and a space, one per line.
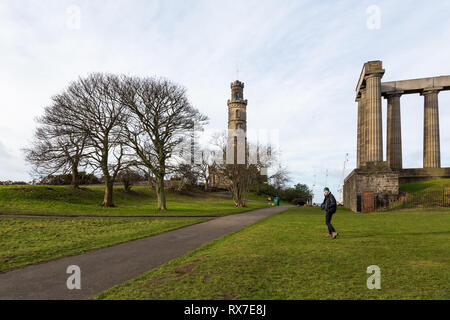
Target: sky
(300, 62)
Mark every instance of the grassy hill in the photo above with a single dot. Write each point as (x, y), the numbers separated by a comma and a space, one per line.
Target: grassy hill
(435, 193)
(64, 201)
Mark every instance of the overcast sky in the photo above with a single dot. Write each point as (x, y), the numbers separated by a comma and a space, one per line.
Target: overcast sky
(300, 62)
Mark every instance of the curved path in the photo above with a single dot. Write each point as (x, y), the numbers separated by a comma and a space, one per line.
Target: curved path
(104, 268)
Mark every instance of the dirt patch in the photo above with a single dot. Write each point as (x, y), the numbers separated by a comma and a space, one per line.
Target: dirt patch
(425, 263)
(180, 271)
(150, 282)
(187, 268)
(193, 194)
(24, 189)
(7, 258)
(29, 189)
(205, 195)
(130, 193)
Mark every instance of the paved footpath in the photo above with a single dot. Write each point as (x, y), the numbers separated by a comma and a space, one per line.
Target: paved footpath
(104, 268)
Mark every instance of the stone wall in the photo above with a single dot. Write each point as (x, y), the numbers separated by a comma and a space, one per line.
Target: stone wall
(375, 177)
(350, 191)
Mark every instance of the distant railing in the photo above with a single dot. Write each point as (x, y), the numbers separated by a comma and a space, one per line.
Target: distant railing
(424, 199)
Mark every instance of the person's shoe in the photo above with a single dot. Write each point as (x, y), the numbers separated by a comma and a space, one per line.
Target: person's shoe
(334, 235)
(328, 235)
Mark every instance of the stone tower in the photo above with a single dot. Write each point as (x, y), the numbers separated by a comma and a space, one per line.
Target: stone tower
(237, 123)
(237, 107)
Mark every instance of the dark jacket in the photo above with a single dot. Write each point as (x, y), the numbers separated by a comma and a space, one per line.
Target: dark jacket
(329, 203)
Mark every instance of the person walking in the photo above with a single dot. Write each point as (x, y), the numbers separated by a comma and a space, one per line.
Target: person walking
(329, 205)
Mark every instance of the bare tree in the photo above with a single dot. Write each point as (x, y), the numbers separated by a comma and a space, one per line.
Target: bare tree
(280, 178)
(129, 177)
(187, 174)
(238, 177)
(160, 116)
(206, 166)
(92, 106)
(56, 149)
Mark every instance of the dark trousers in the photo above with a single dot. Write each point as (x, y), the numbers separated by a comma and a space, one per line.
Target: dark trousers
(328, 222)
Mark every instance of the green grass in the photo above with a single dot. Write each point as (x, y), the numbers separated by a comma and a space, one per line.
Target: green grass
(257, 197)
(27, 241)
(287, 256)
(63, 201)
(417, 187)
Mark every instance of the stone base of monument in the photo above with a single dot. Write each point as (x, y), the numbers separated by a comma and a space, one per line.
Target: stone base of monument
(375, 185)
(372, 186)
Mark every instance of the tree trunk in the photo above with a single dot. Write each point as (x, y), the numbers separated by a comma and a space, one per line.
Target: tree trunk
(237, 196)
(127, 185)
(258, 187)
(75, 181)
(108, 199)
(160, 193)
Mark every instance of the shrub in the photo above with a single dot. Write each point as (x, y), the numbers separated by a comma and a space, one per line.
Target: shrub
(298, 202)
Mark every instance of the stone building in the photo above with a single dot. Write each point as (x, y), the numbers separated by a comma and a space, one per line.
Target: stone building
(236, 151)
(374, 182)
(237, 107)
(237, 125)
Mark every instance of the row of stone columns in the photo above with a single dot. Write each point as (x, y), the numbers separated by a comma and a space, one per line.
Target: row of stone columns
(370, 134)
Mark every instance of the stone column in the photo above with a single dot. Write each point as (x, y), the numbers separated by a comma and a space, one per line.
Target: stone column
(394, 131)
(431, 140)
(363, 153)
(374, 117)
(359, 134)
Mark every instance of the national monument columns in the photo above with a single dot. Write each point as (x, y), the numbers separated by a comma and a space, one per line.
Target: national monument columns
(369, 93)
(375, 182)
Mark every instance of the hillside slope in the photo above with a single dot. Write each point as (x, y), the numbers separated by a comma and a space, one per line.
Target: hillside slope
(64, 201)
(435, 193)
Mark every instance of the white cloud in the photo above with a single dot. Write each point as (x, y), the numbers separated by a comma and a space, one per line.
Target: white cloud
(12, 164)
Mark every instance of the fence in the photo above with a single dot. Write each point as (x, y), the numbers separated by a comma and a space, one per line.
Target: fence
(424, 199)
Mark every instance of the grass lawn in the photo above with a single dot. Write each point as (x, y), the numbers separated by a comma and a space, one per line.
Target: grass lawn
(28, 241)
(287, 256)
(257, 197)
(63, 201)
